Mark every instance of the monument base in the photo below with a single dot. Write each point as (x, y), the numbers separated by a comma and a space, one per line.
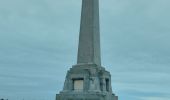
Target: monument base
(85, 96)
(87, 82)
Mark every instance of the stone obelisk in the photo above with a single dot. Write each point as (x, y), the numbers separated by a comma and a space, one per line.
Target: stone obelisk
(89, 39)
(88, 80)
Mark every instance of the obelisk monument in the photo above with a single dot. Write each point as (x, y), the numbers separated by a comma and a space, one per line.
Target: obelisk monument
(89, 39)
(88, 80)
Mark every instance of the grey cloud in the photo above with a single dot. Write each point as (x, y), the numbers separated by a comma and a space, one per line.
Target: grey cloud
(39, 38)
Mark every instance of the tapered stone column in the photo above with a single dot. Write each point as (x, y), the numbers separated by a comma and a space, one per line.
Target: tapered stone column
(89, 39)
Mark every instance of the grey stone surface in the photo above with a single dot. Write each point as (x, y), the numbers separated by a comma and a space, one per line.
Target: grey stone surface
(89, 39)
(88, 80)
(97, 84)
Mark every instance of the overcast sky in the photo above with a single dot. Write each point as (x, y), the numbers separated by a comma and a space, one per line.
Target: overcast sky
(39, 39)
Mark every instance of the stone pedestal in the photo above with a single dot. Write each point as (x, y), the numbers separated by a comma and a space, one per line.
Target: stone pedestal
(87, 82)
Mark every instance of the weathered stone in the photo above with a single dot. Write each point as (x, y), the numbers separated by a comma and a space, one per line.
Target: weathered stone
(89, 39)
(88, 80)
(97, 84)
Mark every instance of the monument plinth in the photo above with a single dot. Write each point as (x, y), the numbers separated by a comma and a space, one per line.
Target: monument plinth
(88, 80)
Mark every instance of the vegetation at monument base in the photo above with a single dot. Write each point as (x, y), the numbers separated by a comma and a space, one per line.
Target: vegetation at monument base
(3, 99)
